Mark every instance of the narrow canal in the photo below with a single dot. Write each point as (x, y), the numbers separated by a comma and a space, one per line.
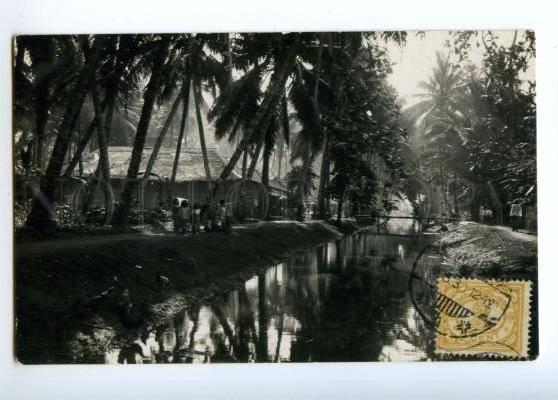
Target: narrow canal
(346, 300)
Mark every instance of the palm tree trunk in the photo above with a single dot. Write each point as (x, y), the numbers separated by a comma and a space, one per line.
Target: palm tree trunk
(149, 97)
(109, 104)
(324, 168)
(279, 337)
(182, 134)
(265, 167)
(324, 179)
(19, 88)
(317, 77)
(455, 202)
(245, 325)
(195, 316)
(280, 160)
(265, 125)
(42, 64)
(244, 163)
(254, 162)
(229, 60)
(198, 100)
(234, 159)
(160, 139)
(103, 125)
(233, 343)
(262, 343)
(178, 322)
(104, 165)
(80, 166)
(41, 216)
(41, 118)
(286, 133)
(92, 187)
(84, 140)
(268, 149)
(340, 208)
(112, 88)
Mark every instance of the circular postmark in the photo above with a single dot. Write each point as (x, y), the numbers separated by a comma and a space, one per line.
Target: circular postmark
(456, 307)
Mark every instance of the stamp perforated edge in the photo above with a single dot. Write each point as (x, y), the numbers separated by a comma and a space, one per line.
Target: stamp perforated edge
(526, 328)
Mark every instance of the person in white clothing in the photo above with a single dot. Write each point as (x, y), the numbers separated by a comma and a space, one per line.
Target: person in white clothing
(516, 212)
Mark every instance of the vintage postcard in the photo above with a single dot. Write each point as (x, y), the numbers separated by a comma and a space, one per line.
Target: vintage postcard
(275, 197)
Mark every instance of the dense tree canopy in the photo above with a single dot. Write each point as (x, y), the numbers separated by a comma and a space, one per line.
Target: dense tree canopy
(325, 96)
(476, 125)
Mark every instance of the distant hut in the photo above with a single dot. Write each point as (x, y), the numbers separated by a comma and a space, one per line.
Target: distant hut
(244, 198)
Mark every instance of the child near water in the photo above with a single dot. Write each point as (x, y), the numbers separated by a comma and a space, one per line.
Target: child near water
(184, 216)
(175, 209)
(196, 218)
(516, 212)
(223, 217)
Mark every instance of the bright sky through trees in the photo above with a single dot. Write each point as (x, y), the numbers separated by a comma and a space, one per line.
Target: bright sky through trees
(414, 62)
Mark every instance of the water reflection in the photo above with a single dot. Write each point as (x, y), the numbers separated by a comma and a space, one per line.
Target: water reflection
(347, 300)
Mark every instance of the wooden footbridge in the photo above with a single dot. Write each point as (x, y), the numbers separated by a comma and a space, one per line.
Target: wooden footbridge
(381, 221)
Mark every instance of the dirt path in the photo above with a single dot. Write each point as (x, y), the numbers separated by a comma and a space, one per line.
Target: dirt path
(490, 251)
(516, 235)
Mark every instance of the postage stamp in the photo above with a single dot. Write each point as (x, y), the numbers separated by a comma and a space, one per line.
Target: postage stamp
(478, 317)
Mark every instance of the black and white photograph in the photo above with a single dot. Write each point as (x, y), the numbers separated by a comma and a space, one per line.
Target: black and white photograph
(278, 200)
(275, 197)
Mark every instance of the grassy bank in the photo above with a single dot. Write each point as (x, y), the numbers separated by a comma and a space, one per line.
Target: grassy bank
(484, 251)
(77, 297)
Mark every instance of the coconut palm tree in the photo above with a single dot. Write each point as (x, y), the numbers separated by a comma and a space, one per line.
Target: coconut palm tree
(42, 53)
(317, 92)
(439, 116)
(182, 131)
(43, 80)
(234, 110)
(209, 74)
(41, 216)
(104, 165)
(440, 90)
(120, 80)
(159, 62)
(116, 60)
(279, 54)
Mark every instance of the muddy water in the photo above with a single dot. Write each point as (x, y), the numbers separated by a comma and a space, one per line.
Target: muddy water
(346, 300)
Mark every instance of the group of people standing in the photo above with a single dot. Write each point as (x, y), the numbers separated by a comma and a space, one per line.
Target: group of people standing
(192, 217)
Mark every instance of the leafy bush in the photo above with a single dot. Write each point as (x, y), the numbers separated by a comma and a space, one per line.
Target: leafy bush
(66, 215)
(97, 216)
(21, 209)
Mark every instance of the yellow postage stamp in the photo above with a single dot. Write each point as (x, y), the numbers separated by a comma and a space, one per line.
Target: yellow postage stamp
(478, 317)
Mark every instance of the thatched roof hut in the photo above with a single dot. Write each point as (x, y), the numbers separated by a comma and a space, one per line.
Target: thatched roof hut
(190, 166)
(191, 181)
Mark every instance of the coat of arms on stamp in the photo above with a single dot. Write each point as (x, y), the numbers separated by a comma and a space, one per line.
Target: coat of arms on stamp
(478, 317)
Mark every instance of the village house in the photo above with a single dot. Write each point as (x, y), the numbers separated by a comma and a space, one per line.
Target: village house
(191, 181)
